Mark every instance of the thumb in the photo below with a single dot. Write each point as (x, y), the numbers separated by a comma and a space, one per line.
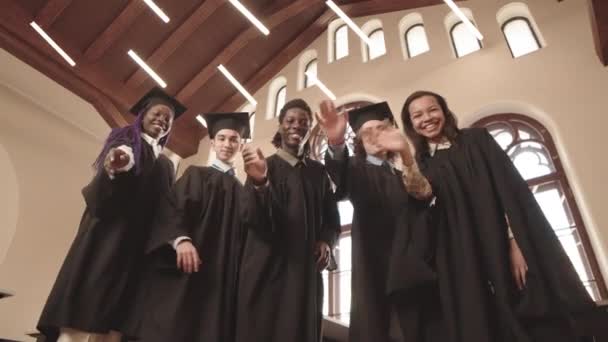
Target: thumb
(260, 154)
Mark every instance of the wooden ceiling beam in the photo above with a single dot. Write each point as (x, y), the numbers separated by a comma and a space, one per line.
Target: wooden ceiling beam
(288, 53)
(598, 10)
(50, 12)
(51, 68)
(238, 44)
(111, 98)
(16, 20)
(278, 63)
(118, 26)
(170, 45)
(373, 7)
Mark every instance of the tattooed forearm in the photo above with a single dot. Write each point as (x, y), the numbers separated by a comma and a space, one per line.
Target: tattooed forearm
(415, 183)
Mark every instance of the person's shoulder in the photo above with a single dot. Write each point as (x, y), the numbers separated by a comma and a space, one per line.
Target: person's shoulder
(473, 134)
(273, 160)
(315, 163)
(196, 171)
(165, 161)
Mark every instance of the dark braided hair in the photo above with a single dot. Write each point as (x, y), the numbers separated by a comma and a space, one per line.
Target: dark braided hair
(295, 103)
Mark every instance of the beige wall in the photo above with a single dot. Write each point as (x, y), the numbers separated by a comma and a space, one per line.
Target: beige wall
(48, 140)
(563, 86)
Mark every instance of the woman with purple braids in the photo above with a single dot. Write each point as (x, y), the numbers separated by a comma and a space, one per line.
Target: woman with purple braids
(95, 286)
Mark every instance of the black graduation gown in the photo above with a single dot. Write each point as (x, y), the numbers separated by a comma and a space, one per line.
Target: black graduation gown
(280, 289)
(476, 185)
(388, 253)
(181, 307)
(96, 283)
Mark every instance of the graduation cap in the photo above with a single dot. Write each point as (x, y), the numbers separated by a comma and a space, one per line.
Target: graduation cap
(378, 111)
(235, 121)
(158, 96)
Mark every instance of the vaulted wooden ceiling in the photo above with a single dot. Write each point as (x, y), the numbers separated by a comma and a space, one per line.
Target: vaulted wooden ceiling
(186, 51)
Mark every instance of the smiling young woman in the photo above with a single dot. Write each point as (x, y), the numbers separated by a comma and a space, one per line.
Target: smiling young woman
(502, 271)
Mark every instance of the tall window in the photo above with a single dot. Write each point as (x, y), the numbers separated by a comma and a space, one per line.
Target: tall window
(520, 36)
(251, 109)
(341, 42)
(311, 68)
(463, 40)
(337, 284)
(531, 148)
(279, 100)
(318, 140)
(416, 42)
(251, 124)
(377, 47)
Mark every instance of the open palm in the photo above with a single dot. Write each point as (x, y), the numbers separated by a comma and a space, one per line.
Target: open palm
(332, 122)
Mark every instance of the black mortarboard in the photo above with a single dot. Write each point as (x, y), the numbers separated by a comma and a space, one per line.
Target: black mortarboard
(235, 121)
(378, 111)
(158, 96)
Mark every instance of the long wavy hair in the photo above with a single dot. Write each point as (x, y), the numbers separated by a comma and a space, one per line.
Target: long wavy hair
(277, 141)
(129, 135)
(450, 128)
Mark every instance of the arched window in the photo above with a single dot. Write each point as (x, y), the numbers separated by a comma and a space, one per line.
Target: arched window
(337, 283)
(416, 42)
(531, 148)
(520, 36)
(277, 95)
(307, 63)
(377, 47)
(250, 108)
(341, 42)
(318, 140)
(279, 100)
(463, 41)
(520, 29)
(251, 124)
(311, 68)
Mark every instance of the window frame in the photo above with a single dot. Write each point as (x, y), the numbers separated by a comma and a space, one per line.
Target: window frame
(277, 109)
(367, 47)
(335, 36)
(454, 43)
(333, 281)
(527, 21)
(559, 177)
(306, 81)
(407, 42)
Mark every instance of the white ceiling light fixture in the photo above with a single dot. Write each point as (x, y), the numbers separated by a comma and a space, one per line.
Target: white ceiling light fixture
(201, 120)
(52, 43)
(315, 81)
(159, 12)
(349, 22)
(237, 85)
(147, 68)
(464, 19)
(239, 6)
